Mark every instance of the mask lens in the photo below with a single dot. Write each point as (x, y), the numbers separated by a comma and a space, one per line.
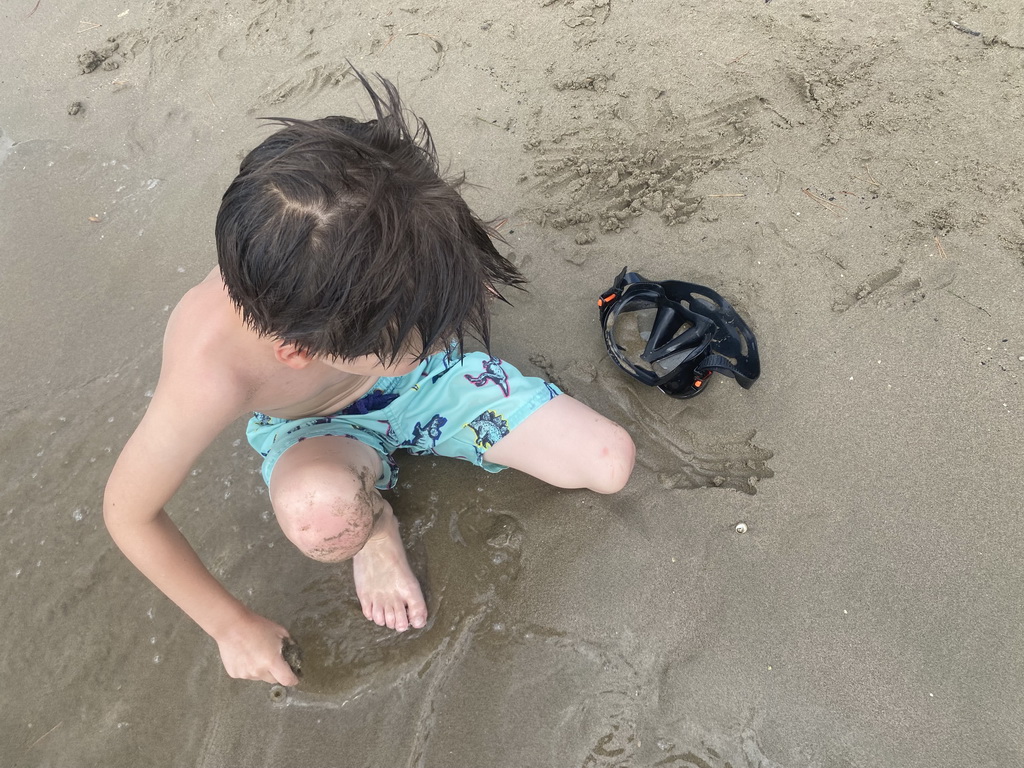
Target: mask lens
(631, 327)
(668, 364)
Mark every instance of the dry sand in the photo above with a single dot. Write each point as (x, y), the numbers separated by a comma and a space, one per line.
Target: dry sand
(847, 173)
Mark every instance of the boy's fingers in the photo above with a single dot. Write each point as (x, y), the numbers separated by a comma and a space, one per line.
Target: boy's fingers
(282, 673)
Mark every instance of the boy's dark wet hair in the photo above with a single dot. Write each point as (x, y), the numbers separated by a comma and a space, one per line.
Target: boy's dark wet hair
(342, 238)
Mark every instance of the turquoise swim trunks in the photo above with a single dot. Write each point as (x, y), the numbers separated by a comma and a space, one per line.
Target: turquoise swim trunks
(449, 406)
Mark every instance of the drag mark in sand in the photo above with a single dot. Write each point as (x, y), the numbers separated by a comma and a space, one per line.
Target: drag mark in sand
(444, 663)
(611, 711)
(303, 87)
(906, 283)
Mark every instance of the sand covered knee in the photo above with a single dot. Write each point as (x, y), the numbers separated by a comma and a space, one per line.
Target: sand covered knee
(328, 521)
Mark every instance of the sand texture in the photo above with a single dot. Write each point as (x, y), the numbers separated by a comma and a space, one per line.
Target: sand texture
(848, 174)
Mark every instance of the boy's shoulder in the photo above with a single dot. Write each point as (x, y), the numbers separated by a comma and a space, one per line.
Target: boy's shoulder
(205, 307)
(205, 384)
(216, 364)
(204, 320)
(208, 347)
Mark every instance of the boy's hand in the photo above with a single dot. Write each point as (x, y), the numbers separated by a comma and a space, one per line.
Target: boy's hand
(251, 650)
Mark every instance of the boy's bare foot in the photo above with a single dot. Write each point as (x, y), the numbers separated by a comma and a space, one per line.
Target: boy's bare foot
(388, 591)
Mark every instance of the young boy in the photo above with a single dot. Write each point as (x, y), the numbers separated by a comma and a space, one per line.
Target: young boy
(350, 273)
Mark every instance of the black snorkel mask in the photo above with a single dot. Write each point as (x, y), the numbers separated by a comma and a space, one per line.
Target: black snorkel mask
(673, 335)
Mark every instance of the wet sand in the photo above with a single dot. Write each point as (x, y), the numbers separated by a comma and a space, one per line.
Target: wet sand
(847, 174)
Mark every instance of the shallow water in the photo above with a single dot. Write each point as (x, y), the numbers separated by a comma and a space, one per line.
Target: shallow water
(473, 562)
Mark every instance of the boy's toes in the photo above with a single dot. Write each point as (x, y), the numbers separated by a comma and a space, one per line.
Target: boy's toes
(378, 614)
(389, 617)
(418, 616)
(401, 619)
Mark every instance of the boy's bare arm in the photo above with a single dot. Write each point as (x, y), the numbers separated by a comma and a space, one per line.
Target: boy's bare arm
(184, 417)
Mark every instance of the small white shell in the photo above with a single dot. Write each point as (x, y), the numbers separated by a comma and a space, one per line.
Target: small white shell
(741, 528)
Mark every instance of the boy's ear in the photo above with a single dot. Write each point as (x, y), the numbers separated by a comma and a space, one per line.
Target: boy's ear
(290, 355)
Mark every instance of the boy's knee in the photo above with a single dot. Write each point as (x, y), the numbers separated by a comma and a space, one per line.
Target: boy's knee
(617, 455)
(328, 521)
